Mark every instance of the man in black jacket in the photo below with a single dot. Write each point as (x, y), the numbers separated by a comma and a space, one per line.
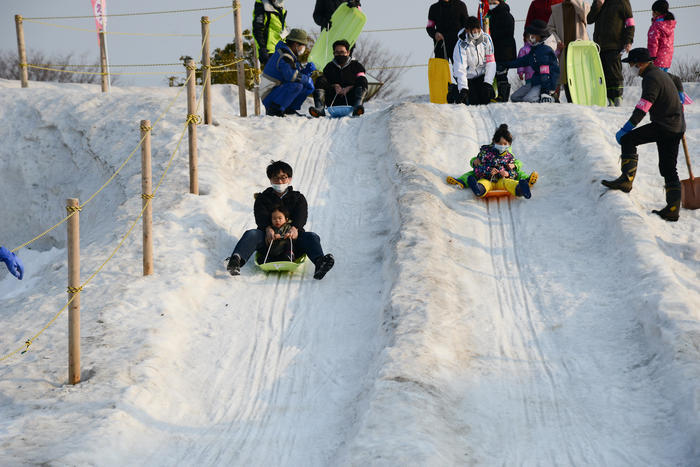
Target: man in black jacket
(324, 9)
(343, 82)
(281, 192)
(445, 19)
(502, 32)
(661, 97)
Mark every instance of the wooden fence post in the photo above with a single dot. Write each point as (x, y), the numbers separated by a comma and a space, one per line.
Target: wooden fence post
(206, 70)
(103, 62)
(73, 206)
(22, 52)
(239, 56)
(146, 196)
(256, 80)
(192, 125)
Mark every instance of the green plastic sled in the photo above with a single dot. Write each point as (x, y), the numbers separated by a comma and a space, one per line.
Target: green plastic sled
(279, 266)
(585, 74)
(346, 23)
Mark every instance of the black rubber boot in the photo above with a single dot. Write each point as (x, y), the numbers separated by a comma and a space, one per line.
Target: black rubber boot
(323, 265)
(673, 204)
(503, 91)
(478, 189)
(234, 265)
(318, 110)
(356, 100)
(629, 170)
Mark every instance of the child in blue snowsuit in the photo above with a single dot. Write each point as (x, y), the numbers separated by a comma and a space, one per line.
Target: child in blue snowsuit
(496, 168)
(543, 62)
(285, 84)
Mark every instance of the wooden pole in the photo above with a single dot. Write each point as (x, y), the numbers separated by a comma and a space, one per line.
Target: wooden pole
(239, 56)
(256, 80)
(146, 196)
(73, 205)
(22, 51)
(206, 70)
(192, 127)
(103, 62)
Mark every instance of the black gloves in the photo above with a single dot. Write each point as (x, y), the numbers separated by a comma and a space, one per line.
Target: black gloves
(464, 96)
(452, 93)
(353, 3)
(501, 68)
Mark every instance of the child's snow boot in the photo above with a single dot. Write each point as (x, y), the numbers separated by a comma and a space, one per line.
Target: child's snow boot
(455, 181)
(629, 170)
(523, 189)
(323, 265)
(234, 265)
(356, 101)
(673, 203)
(478, 189)
(532, 179)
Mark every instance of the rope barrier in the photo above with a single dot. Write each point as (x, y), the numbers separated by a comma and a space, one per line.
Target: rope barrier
(75, 290)
(143, 13)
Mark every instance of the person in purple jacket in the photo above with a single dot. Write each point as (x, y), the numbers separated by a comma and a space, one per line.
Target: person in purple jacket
(660, 35)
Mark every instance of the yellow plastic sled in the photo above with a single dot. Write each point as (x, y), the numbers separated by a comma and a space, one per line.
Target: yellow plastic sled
(439, 76)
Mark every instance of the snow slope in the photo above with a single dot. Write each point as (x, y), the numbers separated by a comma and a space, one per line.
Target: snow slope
(564, 329)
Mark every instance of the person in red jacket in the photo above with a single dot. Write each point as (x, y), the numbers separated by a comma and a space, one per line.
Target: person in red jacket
(540, 9)
(660, 35)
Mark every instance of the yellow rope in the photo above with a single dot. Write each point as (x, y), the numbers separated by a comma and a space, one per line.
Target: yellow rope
(73, 209)
(145, 127)
(143, 13)
(102, 73)
(28, 342)
(194, 118)
(147, 196)
(74, 289)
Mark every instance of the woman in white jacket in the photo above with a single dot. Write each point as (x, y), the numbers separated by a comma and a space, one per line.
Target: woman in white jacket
(474, 65)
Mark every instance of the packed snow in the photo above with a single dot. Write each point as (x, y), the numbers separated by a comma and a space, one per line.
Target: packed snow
(559, 330)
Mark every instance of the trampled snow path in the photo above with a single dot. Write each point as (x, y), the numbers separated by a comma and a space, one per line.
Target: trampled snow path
(557, 330)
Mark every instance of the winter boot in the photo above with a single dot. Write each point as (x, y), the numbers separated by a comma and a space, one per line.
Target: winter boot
(629, 170)
(323, 265)
(455, 181)
(673, 203)
(274, 110)
(234, 265)
(503, 91)
(532, 179)
(318, 110)
(478, 189)
(523, 189)
(358, 97)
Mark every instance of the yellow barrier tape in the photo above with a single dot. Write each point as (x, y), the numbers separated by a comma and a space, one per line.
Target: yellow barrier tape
(143, 13)
(28, 342)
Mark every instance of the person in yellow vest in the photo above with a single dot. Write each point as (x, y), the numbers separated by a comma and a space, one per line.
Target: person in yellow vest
(269, 27)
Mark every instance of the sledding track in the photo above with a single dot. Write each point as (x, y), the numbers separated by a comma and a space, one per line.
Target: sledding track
(451, 331)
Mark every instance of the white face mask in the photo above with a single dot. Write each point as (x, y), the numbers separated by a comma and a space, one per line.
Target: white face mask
(532, 39)
(475, 37)
(301, 50)
(501, 148)
(280, 188)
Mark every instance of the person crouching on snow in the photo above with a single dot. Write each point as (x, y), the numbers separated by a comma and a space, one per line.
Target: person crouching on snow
(495, 167)
(473, 65)
(343, 82)
(543, 62)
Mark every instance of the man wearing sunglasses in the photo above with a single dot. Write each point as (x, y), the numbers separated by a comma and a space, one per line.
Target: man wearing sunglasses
(280, 175)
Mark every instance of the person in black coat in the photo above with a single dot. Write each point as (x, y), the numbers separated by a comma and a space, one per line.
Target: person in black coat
(502, 31)
(662, 97)
(445, 19)
(324, 9)
(343, 82)
(281, 192)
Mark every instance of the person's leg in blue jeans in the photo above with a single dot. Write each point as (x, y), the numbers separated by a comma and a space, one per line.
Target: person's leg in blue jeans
(250, 241)
(309, 243)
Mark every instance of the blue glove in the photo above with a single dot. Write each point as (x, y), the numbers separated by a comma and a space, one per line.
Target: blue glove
(309, 68)
(14, 265)
(307, 81)
(682, 96)
(623, 131)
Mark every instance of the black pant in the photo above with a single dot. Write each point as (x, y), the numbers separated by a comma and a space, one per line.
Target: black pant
(440, 50)
(666, 142)
(477, 93)
(612, 69)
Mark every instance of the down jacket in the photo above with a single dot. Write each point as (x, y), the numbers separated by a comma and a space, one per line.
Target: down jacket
(472, 59)
(660, 41)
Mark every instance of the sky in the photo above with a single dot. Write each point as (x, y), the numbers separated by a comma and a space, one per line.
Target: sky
(381, 14)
